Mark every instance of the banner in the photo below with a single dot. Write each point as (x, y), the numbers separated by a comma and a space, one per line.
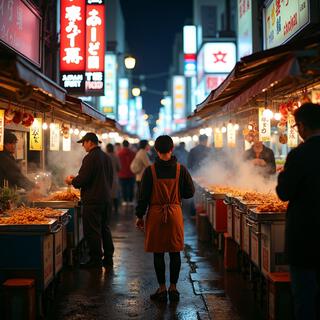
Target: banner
(218, 139)
(1, 129)
(264, 127)
(293, 135)
(54, 137)
(231, 135)
(36, 135)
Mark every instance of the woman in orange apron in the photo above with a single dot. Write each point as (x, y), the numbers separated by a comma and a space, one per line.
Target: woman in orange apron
(162, 187)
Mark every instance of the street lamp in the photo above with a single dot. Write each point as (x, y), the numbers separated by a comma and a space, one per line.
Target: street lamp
(129, 62)
(136, 92)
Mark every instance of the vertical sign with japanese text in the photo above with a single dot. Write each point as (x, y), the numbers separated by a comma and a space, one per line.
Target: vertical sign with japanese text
(123, 112)
(82, 46)
(1, 129)
(36, 135)
(54, 136)
(292, 132)
(95, 39)
(231, 135)
(264, 126)
(179, 100)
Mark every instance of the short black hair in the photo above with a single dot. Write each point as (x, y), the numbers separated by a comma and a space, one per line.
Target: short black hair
(9, 137)
(125, 143)
(182, 144)
(163, 144)
(110, 148)
(309, 115)
(143, 144)
(203, 138)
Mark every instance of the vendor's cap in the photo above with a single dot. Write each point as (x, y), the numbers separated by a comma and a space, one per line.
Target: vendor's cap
(9, 137)
(89, 136)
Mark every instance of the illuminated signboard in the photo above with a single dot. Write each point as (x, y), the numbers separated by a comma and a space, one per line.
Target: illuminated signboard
(123, 112)
(82, 46)
(219, 57)
(283, 20)
(108, 101)
(179, 99)
(190, 50)
(264, 126)
(36, 135)
(214, 81)
(244, 28)
(20, 28)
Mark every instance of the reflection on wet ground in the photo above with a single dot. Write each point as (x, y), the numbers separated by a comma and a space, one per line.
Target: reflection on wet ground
(123, 292)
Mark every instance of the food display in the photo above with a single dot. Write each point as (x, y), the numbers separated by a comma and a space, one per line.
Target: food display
(63, 196)
(275, 206)
(25, 215)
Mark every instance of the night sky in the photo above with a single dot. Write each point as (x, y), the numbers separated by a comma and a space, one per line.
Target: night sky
(151, 26)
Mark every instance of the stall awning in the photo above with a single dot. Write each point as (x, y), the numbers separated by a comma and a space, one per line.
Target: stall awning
(26, 82)
(257, 73)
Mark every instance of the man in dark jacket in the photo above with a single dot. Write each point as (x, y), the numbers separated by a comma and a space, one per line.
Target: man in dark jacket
(95, 181)
(299, 183)
(181, 153)
(9, 169)
(199, 153)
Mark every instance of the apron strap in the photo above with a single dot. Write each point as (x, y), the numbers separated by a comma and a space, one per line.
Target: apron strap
(154, 175)
(177, 178)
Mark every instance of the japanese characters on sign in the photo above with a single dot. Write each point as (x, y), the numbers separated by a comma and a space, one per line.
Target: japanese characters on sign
(20, 28)
(219, 57)
(123, 112)
(264, 126)
(82, 46)
(293, 136)
(179, 99)
(231, 135)
(36, 135)
(1, 129)
(54, 136)
(283, 19)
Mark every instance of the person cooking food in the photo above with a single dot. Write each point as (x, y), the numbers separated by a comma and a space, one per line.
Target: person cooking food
(9, 169)
(261, 157)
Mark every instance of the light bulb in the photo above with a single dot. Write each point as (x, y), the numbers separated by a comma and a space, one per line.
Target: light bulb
(76, 131)
(267, 113)
(277, 116)
(223, 129)
(71, 131)
(250, 127)
(195, 138)
(236, 127)
(52, 125)
(44, 126)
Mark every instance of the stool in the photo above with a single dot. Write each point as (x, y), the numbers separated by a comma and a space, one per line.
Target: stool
(20, 299)
(280, 305)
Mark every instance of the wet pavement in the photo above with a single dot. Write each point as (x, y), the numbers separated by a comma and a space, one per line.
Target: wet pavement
(206, 291)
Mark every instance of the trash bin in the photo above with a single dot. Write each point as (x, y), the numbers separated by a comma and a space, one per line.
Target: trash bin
(20, 299)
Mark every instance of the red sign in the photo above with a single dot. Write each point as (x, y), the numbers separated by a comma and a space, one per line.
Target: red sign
(82, 46)
(72, 35)
(20, 28)
(94, 49)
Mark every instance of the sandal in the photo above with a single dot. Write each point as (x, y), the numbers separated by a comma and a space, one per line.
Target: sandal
(174, 295)
(160, 296)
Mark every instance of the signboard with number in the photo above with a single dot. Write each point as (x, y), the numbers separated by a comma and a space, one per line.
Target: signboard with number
(264, 126)
(54, 136)
(1, 129)
(82, 46)
(36, 135)
(283, 19)
(20, 29)
(292, 133)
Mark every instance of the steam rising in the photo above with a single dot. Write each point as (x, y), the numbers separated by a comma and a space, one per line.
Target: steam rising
(230, 169)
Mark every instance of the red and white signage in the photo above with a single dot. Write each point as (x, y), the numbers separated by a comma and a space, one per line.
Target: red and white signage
(82, 46)
(214, 81)
(219, 57)
(283, 20)
(20, 28)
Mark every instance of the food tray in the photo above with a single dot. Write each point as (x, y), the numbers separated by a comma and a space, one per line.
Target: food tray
(217, 196)
(228, 198)
(62, 217)
(48, 227)
(244, 206)
(55, 204)
(266, 216)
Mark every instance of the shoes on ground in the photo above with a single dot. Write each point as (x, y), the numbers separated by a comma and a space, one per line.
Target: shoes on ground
(91, 264)
(160, 296)
(174, 295)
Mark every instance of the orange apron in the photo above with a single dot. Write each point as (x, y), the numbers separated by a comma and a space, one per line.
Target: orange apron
(164, 221)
